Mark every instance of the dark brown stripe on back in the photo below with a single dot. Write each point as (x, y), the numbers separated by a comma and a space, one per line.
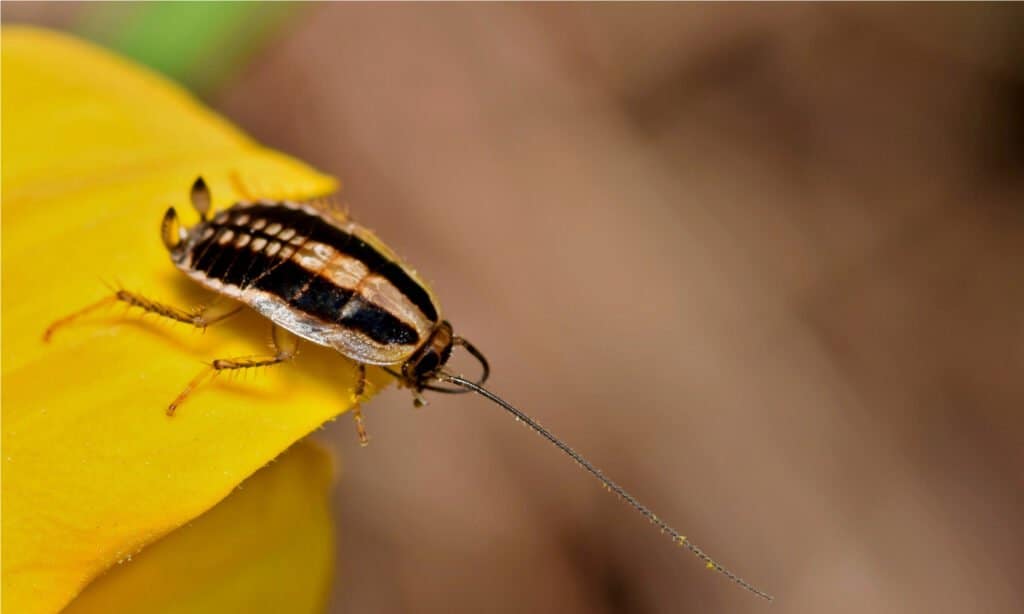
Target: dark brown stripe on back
(227, 263)
(378, 324)
(329, 302)
(303, 290)
(205, 253)
(284, 279)
(321, 231)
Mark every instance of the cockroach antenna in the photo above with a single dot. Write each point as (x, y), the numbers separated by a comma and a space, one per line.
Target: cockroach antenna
(611, 486)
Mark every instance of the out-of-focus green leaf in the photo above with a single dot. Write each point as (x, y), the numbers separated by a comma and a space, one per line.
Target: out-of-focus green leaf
(198, 44)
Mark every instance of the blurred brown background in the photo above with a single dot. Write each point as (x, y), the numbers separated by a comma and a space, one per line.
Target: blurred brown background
(762, 264)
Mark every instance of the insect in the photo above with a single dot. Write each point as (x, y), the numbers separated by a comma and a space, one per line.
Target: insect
(317, 275)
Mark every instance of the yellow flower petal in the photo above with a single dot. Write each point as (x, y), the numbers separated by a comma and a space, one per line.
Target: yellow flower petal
(94, 150)
(266, 548)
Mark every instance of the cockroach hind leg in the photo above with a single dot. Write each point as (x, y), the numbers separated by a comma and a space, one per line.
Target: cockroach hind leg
(61, 322)
(199, 317)
(287, 347)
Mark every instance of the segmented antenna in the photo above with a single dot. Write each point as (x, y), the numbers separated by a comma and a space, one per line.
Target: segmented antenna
(611, 486)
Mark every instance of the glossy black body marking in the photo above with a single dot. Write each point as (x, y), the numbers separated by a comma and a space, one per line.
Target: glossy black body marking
(319, 230)
(308, 292)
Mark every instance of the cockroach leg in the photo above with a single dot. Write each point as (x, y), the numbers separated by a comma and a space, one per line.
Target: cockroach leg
(357, 413)
(285, 344)
(199, 317)
(48, 333)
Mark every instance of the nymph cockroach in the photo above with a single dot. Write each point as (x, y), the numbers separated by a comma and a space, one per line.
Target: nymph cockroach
(319, 276)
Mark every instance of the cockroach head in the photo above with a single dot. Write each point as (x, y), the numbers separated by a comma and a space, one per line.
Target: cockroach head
(423, 366)
(426, 367)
